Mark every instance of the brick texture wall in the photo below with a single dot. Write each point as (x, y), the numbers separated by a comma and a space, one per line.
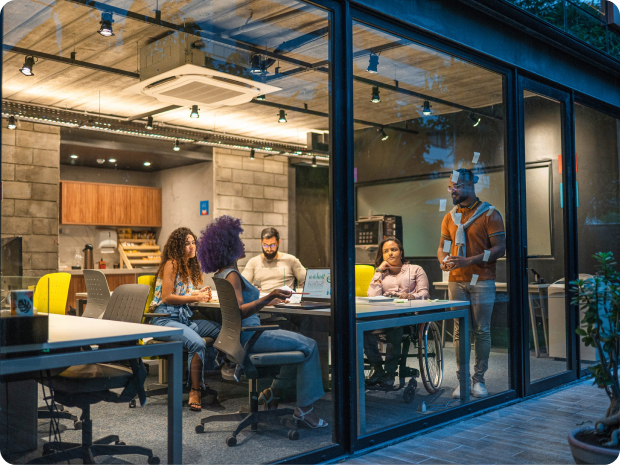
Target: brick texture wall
(30, 176)
(256, 191)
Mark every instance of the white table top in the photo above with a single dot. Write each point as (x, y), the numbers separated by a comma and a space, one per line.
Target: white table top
(74, 331)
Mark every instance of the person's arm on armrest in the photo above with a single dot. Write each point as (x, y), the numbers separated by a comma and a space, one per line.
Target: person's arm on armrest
(251, 308)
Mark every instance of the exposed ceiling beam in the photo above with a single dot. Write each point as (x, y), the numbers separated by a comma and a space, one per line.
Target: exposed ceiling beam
(154, 112)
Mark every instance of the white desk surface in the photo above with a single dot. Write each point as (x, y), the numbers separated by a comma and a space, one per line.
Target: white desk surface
(74, 331)
(534, 288)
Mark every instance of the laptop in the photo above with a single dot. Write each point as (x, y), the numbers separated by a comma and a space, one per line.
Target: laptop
(318, 286)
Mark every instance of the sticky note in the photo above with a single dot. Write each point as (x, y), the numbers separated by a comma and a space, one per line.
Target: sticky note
(487, 254)
(442, 205)
(447, 246)
(476, 157)
(455, 176)
(457, 218)
(474, 280)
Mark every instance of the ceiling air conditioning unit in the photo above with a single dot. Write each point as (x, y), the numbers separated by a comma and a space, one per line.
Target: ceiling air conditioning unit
(174, 72)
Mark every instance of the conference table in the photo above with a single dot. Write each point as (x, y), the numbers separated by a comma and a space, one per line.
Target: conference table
(66, 332)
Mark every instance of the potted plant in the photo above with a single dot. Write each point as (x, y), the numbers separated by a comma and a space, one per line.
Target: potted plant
(599, 296)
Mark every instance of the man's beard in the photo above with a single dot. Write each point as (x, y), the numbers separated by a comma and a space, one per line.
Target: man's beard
(270, 255)
(456, 199)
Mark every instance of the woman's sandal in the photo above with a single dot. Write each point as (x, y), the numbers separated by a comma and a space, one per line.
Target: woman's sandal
(272, 402)
(322, 423)
(194, 404)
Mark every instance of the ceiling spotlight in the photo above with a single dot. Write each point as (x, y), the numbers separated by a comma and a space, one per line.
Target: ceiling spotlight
(373, 63)
(26, 69)
(426, 109)
(176, 147)
(375, 95)
(106, 25)
(74, 156)
(256, 64)
(194, 113)
(384, 136)
(252, 153)
(475, 119)
(261, 97)
(149, 122)
(101, 161)
(112, 160)
(282, 117)
(314, 165)
(12, 123)
(147, 163)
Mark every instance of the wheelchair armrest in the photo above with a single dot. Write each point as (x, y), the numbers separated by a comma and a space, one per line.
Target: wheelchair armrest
(260, 328)
(156, 315)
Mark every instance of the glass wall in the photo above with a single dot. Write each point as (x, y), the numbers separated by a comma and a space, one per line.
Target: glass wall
(152, 116)
(429, 156)
(598, 204)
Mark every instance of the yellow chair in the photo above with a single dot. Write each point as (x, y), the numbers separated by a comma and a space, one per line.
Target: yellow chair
(150, 281)
(51, 293)
(363, 276)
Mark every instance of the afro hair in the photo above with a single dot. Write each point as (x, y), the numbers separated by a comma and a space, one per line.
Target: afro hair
(220, 244)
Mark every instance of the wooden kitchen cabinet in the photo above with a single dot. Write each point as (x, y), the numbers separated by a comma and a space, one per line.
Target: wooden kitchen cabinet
(109, 204)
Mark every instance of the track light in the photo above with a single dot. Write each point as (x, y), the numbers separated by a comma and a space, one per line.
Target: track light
(73, 156)
(12, 124)
(426, 109)
(261, 97)
(106, 25)
(373, 63)
(314, 165)
(256, 64)
(147, 163)
(194, 113)
(149, 122)
(252, 153)
(176, 147)
(112, 160)
(475, 119)
(26, 69)
(282, 118)
(375, 95)
(384, 136)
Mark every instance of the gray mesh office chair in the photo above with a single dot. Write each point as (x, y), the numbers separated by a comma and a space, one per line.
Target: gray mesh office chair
(252, 365)
(98, 293)
(83, 385)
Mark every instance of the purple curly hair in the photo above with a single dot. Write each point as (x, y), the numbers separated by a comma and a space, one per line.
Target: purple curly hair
(219, 243)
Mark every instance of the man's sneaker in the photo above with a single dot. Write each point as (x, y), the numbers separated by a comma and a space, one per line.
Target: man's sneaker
(456, 394)
(387, 381)
(479, 390)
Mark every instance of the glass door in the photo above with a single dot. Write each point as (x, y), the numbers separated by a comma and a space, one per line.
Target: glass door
(546, 141)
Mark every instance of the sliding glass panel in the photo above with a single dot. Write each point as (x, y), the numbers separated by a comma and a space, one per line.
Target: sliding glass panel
(430, 209)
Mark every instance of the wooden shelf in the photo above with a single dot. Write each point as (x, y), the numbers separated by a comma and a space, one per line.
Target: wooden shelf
(145, 262)
(129, 256)
(140, 247)
(141, 254)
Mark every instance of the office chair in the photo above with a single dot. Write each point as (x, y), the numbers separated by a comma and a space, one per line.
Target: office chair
(51, 292)
(149, 280)
(252, 365)
(83, 385)
(98, 294)
(363, 276)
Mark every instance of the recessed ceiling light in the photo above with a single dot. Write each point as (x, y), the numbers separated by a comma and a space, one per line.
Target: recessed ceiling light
(74, 156)
(147, 163)
(112, 160)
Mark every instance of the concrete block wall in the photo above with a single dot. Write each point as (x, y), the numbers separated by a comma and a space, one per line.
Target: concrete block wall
(256, 191)
(30, 176)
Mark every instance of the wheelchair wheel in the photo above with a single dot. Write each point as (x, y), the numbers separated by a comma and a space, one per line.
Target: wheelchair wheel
(430, 356)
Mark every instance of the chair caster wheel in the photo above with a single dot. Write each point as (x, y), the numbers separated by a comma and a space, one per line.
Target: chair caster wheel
(119, 443)
(77, 424)
(231, 441)
(409, 394)
(200, 429)
(132, 403)
(293, 434)
(153, 460)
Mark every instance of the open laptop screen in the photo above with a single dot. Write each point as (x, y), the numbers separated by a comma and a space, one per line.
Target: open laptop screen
(318, 285)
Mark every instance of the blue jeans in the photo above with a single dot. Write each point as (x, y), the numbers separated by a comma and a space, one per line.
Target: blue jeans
(193, 332)
(307, 373)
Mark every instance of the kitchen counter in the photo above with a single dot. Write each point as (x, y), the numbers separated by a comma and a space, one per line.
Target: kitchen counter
(113, 271)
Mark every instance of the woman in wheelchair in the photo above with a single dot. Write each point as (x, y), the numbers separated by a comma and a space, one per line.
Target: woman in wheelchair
(219, 249)
(394, 277)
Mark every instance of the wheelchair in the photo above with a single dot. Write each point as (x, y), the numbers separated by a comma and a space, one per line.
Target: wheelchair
(424, 342)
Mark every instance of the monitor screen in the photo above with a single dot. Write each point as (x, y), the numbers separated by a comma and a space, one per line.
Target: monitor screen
(318, 284)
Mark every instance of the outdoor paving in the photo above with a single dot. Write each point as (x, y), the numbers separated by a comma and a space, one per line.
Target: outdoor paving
(530, 432)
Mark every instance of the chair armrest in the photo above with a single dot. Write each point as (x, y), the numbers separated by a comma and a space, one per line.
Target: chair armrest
(260, 328)
(156, 315)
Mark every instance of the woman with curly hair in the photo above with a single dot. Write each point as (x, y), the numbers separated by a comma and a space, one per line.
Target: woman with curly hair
(178, 274)
(219, 249)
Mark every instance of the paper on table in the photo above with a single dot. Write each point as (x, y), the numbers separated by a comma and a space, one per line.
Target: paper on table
(442, 205)
(295, 298)
(455, 176)
(447, 246)
(476, 157)
(474, 280)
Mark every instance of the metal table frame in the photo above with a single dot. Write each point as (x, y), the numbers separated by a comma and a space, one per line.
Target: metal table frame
(172, 350)
(364, 325)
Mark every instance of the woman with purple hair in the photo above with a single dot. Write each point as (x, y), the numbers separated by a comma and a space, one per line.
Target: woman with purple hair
(220, 248)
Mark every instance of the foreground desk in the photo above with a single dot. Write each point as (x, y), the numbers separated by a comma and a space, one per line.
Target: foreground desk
(533, 290)
(66, 332)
